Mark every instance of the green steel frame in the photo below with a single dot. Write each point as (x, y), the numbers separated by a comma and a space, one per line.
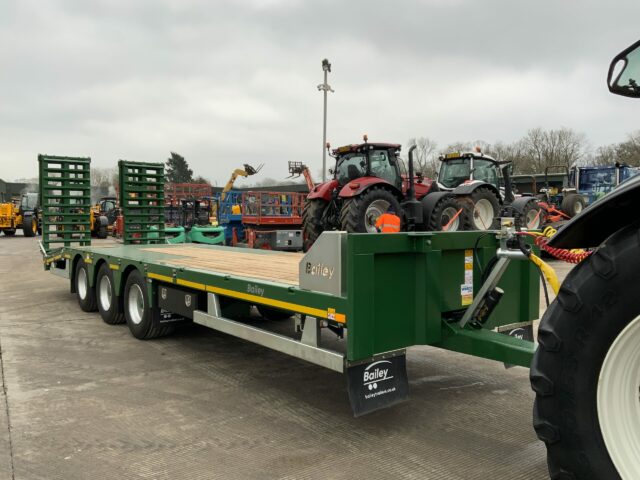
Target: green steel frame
(402, 290)
(65, 197)
(142, 201)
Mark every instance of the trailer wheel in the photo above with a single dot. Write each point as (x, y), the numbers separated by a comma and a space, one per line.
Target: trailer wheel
(86, 294)
(274, 314)
(573, 204)
(585, 371)
(29, 226)
(138, 312)
(9, 232)
(109, 304)
(312, 225)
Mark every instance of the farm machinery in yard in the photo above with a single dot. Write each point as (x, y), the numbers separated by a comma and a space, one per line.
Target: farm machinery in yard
(382, 294)
(23, 213)
(369, 178)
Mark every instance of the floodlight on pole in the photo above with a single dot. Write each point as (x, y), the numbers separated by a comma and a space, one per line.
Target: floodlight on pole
(325, 88)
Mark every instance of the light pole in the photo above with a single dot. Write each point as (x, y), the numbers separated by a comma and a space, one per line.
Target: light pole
(325, 87)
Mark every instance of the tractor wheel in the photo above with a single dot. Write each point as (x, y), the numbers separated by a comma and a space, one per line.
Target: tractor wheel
(9, 232)
(486, 208)
(102, 231)
(573, 204)
(141, 320)
(444, 212)
(585, 371)
(312, 224)
(29, 226)
(85, 294)
(273, 314)
(531, 215)
(359, 214)
(109, 304)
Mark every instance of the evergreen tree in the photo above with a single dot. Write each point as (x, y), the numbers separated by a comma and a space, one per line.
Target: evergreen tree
(178, 170)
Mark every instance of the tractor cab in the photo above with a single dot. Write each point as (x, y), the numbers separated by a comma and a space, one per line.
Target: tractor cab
(378, 160)
(457, 168)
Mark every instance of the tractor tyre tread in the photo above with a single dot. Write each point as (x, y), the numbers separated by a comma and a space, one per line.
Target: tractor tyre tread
(593, 306)
(312, 225)
(354, 209)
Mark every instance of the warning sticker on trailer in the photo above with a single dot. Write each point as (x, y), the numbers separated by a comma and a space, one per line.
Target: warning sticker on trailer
(466, 294)
(466, 289)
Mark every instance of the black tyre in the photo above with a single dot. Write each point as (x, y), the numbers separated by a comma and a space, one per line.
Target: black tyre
(142, 319)
(360, 213)
(531, 216)
(312, 221)
(444, 212)
(29, 226)
(109, 304)
(86, 295)
(486, 208)
(9, 232)
(585, 371)
(102, 231)
(274, 314)
(573, 204)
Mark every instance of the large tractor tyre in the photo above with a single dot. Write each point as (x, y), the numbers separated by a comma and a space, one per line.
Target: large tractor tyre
(9, 232)
(486, 209)
(530, 213)
(573, 204)
(141, 317)
(109, 303)
(102, 231)
(585, 371)
(29, 226)
(312, 223)
(86, 295)
(274, 314)
(444, 212)
(359, 214)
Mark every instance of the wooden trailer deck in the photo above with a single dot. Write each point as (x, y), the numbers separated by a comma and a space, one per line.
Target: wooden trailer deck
(278, 267)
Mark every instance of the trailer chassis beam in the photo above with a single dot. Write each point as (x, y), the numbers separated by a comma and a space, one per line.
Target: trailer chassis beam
(307, 349)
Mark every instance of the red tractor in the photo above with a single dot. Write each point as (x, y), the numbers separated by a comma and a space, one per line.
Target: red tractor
(368, 179)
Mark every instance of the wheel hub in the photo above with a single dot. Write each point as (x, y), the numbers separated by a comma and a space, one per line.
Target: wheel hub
(104, 290)
(83, 285)
(374, 210)
(619, 401)
(136, 304)
(483, 214)
(449, 220)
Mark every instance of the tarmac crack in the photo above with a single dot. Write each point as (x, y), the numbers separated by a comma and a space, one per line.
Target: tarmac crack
(6, 408)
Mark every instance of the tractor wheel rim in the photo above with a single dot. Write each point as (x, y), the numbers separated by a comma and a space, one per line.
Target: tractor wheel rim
(619, 402)
(83, 283)
(447, 214)
(577, 208)
(105, 293)
(374, 210)
(532, 219)
(483, 214)
(136, 304)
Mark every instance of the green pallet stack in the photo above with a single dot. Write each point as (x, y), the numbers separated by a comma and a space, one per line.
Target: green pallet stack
(142, 202)
(65, 198)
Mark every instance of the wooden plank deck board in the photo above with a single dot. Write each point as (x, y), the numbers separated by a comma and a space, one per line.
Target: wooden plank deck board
(272, 266)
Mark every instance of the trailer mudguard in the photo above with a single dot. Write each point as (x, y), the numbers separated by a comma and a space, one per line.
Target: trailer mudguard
(602, 218)
(469, 187)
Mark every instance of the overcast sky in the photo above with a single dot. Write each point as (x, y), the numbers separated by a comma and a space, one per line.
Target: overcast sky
(230, 82)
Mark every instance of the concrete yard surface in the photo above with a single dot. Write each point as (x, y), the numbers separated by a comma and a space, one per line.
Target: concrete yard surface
(85, 400)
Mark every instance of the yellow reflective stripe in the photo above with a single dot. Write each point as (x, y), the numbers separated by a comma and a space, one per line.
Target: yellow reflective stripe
(187, 283)
(157, 276)
(113, 266)
(294, 307)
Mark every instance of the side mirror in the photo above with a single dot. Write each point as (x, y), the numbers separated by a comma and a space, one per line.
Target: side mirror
(624, 72)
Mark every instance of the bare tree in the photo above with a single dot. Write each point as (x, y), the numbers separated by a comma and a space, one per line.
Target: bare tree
(425, 156)
(544, 148)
